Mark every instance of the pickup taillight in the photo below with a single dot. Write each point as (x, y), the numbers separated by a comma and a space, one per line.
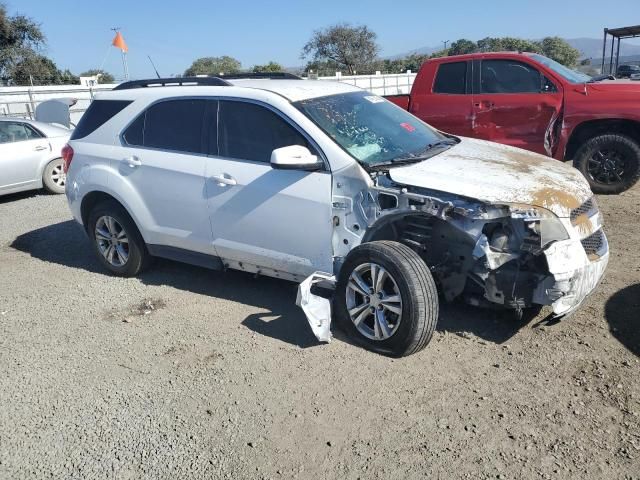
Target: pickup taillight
(67, 156)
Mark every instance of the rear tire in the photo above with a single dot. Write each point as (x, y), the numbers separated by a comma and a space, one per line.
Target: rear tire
(386, 299)
(116, 240)
(609, 162)
(53, 177)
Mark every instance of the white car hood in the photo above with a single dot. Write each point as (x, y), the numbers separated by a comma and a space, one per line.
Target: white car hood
(496, 173)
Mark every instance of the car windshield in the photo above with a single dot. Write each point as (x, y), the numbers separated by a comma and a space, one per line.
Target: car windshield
(570, 75)
(373, 130)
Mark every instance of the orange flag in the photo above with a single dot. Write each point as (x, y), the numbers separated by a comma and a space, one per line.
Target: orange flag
(118, 41)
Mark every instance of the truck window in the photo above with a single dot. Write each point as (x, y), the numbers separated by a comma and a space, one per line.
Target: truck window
(247, 131)
(508, 76)
(451, 78)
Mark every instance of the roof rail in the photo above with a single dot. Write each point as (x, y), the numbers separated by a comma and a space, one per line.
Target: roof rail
(163, 82)
(261, 75)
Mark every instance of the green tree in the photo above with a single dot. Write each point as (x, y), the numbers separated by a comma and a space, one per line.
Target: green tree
(559, 50)
(213, 66)
(20, 39)
(353, 48)
(507, 44)
(105, 77)
(462, 46)
(269, 67)
(440, 53)
(40, 70)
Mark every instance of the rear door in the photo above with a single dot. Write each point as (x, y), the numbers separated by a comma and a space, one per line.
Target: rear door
(447, 103)
(22, 150)
(279, 220)
(163, 160)
(515, 104)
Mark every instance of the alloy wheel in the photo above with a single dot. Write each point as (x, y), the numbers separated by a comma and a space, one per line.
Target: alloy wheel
(607, 166)
(58, 176)
(373, 301)
(112, 241)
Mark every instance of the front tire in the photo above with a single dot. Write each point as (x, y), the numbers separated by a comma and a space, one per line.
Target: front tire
(386, 299)
(53, 177)
(116, 240)
(609, 162)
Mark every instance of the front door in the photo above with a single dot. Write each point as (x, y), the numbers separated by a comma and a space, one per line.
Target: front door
(515, 104)
(279, 220)
(22, 151)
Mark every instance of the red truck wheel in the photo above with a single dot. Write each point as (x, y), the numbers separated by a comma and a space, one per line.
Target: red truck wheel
(609, 162)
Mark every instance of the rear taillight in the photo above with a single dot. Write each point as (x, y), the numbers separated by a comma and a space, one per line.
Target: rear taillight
(67, 156)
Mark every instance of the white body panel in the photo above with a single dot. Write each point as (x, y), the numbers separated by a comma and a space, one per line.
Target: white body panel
(278, 219)
(172, 187)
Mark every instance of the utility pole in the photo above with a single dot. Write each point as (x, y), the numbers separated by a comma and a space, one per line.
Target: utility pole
(445, 43)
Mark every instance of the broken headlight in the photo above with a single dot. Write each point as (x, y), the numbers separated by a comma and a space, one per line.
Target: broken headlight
(541, 227)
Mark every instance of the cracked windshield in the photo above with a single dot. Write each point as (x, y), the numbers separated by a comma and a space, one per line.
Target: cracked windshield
(371, 129)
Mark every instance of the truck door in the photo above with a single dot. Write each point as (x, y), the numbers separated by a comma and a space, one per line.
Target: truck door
(447, 103)
(515, 104)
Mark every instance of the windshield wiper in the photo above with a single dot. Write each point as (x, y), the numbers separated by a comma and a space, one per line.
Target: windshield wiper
(426, 153)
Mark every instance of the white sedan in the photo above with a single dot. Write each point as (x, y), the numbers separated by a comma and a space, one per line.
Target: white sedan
(30, 156)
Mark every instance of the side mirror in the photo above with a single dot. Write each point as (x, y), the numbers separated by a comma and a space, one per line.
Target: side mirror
(295, 157)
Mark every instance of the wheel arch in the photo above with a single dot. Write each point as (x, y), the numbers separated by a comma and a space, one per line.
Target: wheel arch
(591, 128)
(95, 197)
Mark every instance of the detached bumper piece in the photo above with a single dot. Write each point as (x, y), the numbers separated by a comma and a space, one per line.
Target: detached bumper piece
(317, 308)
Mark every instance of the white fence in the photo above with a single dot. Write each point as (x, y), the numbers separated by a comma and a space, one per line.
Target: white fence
(22, 101)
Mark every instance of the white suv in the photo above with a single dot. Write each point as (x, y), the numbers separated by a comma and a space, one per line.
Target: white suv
(306, 180)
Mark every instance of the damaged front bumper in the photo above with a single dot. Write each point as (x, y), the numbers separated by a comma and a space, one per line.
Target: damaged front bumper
(573, 275)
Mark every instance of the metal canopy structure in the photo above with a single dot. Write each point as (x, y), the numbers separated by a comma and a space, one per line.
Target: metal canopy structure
(616, 34)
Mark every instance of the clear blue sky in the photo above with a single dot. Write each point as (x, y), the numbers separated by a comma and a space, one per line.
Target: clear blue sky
(174, 33)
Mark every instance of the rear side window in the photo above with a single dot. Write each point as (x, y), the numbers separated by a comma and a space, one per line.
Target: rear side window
(175, 125)
(98, 113)
(451, 78)
(248, 131)
(509, 76)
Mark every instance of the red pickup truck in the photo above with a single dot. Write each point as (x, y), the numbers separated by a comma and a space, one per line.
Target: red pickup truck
(530, 101)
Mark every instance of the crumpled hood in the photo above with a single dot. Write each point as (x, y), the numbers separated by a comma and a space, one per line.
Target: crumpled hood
(496, 173)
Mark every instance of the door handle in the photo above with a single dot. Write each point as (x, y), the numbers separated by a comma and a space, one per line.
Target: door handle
(132, 161)
(40, 148)
(224, 179)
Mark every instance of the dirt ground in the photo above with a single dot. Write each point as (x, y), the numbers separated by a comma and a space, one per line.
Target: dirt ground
(189, 373)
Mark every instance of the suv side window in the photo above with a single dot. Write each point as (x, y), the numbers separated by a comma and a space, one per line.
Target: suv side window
(509, 76)
(175, 125)
(98, 113)
(451, 78)
(11, 132)
(247, 131)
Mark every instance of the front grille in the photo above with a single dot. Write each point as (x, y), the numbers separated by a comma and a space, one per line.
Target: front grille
(593, 243)
(589, 208)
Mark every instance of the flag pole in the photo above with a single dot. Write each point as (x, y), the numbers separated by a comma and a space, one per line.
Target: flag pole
(124, 65)
(118, 41)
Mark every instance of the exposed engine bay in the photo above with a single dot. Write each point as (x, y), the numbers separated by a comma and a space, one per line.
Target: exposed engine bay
(502, 255)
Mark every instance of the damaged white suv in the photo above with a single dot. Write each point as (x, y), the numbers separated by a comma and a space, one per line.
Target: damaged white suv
(316, 181)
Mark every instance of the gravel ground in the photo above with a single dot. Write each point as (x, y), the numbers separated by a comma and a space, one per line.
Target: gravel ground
(188, 373)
